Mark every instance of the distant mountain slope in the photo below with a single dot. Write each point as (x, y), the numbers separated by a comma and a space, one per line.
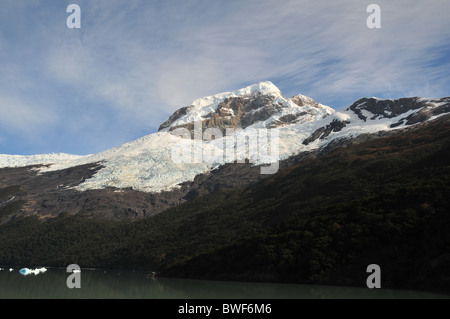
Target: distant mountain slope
(321, 219)
(147, 164)
(140, 178)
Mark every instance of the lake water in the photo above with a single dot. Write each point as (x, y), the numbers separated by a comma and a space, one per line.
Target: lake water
(112, 284)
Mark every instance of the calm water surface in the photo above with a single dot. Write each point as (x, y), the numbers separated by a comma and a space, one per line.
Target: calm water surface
(135, 285)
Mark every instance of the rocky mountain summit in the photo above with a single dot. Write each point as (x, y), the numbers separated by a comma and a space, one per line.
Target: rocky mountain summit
(262, 103)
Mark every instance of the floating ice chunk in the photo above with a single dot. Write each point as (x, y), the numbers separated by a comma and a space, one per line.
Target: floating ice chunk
(37, 271)
(25, 271)
(10, 269)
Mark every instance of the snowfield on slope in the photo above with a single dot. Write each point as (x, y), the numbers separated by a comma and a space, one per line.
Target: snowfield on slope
(147, 164)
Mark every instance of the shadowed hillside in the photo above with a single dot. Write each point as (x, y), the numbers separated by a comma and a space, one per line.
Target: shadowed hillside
(322, 220)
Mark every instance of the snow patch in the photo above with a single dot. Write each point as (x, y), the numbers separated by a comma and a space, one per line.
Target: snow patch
(45, 159)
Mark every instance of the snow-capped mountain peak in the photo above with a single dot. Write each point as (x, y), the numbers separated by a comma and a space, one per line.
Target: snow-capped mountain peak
(258, 105)
(261, 88)
(204, 107)
(302, 124)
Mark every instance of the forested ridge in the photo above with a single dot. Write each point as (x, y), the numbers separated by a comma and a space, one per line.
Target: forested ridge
(384, 201)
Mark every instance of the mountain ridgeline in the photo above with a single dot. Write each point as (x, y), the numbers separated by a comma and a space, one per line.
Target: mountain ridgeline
(367, 185)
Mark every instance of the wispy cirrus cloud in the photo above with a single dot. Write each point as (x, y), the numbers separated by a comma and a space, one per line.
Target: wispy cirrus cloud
(23, 116)
(133, 63)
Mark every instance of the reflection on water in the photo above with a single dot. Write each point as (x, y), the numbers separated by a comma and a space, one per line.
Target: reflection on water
(136, 285)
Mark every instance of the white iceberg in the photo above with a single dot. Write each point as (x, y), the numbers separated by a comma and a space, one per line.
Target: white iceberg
(37, 271)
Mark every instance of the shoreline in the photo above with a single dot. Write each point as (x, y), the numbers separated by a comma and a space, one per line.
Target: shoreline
(149, 275)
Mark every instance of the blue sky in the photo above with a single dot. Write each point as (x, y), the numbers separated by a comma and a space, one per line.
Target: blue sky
(133, 63)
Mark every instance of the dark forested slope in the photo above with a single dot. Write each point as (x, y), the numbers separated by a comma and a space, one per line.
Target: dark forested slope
(322, 220)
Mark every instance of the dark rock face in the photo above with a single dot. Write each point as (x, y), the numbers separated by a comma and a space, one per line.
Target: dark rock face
(393, 108)
(287, 119)
(259, 109)
(175, 116)
(385, 108)
(324, 131)
(427, 112)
